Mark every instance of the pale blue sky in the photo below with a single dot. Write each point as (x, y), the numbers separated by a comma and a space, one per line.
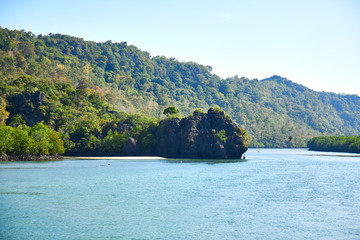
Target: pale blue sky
(312, 42)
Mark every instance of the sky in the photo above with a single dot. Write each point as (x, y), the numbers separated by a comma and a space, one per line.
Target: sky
(315, 43)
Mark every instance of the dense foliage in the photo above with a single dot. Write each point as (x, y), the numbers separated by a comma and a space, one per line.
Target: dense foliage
(335, 144)
(85, 121)
(84, 89)
(23, 141)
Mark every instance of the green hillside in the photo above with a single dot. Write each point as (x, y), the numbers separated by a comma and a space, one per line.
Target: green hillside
(68, 82)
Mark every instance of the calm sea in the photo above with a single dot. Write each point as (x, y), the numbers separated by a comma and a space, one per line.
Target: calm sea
(273, 194)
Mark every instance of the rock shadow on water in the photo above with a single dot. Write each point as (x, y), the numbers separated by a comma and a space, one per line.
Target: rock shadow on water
(209, 161)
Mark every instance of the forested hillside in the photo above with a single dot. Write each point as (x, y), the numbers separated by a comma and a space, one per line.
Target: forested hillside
(68, 82)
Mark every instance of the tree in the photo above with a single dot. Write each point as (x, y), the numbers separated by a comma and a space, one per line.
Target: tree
(113, 142)
(45, 141)
(221, 135)
(41, 142)
(148, 143)
(171, 112)
(6, 139)
(22, 142)
(56, 144)
(3, 115)
(16, 121)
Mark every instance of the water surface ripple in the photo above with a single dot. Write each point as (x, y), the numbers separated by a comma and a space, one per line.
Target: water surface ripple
(274, 194)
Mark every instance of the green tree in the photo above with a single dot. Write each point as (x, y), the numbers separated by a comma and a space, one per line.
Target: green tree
(40, 142)
(3, 114)
(148, 143)
(56, 145)
(45, 141)
(221, 135)
(171, 112)
(113, 142)
(16, 121)
(6, 139)
(22, 142)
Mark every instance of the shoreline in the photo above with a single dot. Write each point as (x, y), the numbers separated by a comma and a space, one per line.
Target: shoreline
(115, 158)
(30, 158)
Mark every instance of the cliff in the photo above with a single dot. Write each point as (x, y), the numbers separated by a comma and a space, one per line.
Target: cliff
(202, 135)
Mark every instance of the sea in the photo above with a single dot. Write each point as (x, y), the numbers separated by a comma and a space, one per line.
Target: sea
(271, 194)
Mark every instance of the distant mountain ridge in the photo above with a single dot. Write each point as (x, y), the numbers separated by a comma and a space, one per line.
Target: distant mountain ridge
(129, 79)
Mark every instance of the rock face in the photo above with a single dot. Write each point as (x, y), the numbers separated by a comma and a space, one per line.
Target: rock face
(130, 148)
(202, 135)
(29, 104)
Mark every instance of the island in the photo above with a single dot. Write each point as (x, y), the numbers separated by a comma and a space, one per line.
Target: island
(350, 144)
(210, 134)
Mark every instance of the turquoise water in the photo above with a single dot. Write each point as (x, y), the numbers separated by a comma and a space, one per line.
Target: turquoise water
(274, 194)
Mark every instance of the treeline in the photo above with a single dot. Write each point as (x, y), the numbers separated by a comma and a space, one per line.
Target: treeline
(65, 80)
(29, 143)
(335, 144)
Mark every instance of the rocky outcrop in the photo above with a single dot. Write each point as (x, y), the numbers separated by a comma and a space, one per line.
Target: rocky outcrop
(130, 147)
(28, 106)
(202, 135)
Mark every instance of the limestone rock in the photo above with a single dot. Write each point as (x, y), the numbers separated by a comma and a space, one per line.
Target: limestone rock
(130, 147)
(197, 137)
